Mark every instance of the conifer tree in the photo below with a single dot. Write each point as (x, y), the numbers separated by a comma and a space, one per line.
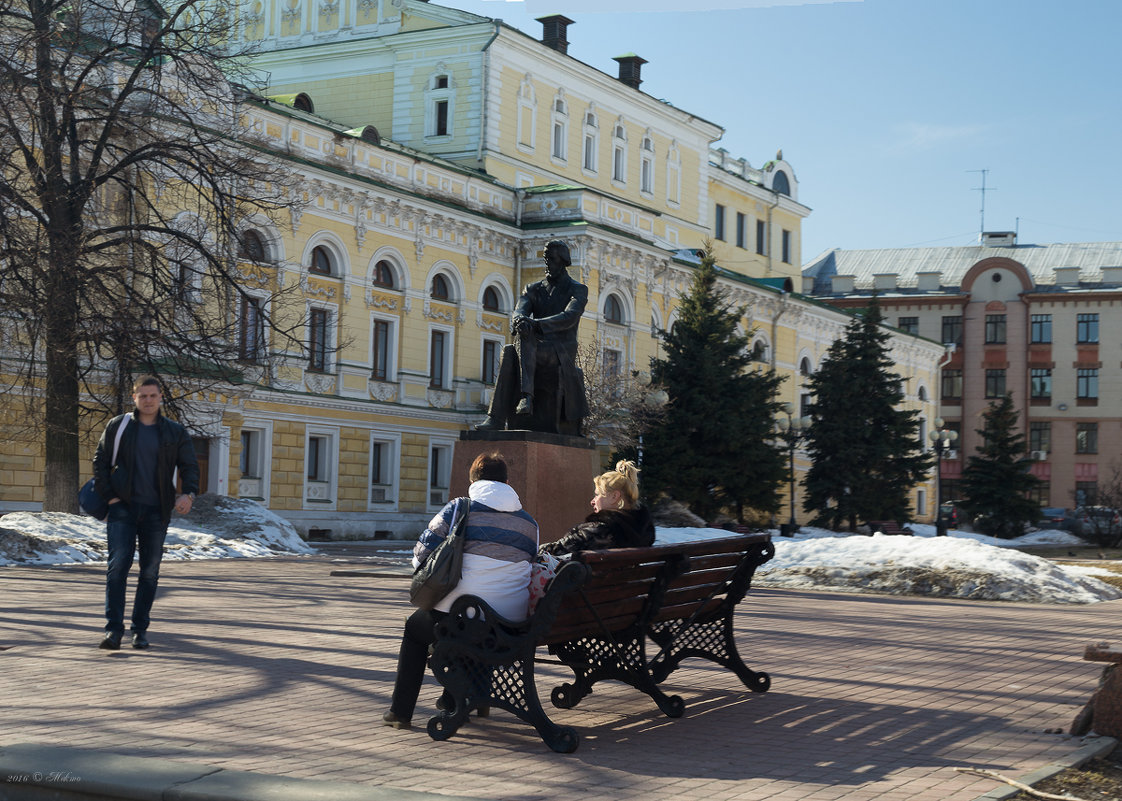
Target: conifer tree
(865, 450)
(712, 449)
(997, 483)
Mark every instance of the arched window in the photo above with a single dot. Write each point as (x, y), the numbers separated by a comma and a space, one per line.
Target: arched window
(922, 394)
(383, 274)
(759, 351)
(321, 261)
(251, 246)
(303, 102)
(804, 367)
(780, 183)
(613, 310)
(491, 301)
(439, 290)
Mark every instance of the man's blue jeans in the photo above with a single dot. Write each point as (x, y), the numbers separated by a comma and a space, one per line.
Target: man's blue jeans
(130, 528)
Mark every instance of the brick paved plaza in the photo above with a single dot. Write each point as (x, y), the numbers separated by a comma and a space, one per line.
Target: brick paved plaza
(276, 667)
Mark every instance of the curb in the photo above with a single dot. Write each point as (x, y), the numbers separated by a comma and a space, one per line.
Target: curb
(34, 772)
(1097, 747)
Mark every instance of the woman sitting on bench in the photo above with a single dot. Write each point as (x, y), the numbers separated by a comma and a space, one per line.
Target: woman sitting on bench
(617, 520)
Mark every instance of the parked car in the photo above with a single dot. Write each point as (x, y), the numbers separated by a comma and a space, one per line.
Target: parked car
(950, 514)
(1100, 524)
(1059, 518)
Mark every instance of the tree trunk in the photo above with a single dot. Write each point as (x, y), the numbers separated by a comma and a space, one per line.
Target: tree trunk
(60, 491)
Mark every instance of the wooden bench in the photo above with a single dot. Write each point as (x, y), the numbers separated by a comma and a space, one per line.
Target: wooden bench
(890, 527)
(595, 618)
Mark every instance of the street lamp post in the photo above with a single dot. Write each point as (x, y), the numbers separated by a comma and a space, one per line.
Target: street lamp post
(941, 440)
(791, 430)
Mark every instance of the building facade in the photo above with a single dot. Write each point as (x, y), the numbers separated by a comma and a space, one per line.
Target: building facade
(1038, 321)
(433, 154)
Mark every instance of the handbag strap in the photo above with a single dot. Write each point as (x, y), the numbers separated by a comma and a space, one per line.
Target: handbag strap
(120, 433)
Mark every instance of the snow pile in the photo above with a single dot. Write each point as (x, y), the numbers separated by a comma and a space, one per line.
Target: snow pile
(961, 565)
(217, 527)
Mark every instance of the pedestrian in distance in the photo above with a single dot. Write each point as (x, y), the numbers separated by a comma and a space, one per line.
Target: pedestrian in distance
(135, 473)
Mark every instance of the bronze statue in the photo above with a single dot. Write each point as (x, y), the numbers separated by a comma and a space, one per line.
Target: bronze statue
(539, 386)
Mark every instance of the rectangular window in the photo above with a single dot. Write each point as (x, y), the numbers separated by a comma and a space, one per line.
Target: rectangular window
(617, 164)
(316, 459)
(1041, 328)
(761, 238)
(441, 118)
(908, 324)
(612, 361)
(1087, 328)
(646, 176)
(995, 383)
(1040, 436)
(1087, 383)
(383, 487)
(590, 153)
(317, 340)
(952, 489)
(252, 336)
(786, 246)
(1041, 383)
(437, 367)
(381, 350)
(952, 385)
(559, 140)
(995, 329)
(1086, 493)
(1086, 437)
(490, 370)
(719, 222)
(741, 230)
(1041, 492)
(249, 462)
(952, 330)
(440, 472)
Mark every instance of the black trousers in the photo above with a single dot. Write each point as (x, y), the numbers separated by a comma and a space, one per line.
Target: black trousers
(412, 661)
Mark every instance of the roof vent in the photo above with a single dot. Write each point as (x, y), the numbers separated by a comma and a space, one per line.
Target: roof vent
(999, 239)
(886, 281)
(629, 68)
(841, 284)
(1067, 276)
(554, 28)
(928, 281)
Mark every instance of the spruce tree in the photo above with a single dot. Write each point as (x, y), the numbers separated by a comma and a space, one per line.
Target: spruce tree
(865, 450)
(997, 483)
(712, 449)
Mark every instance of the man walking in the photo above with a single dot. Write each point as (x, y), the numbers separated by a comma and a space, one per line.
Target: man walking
(134, 470)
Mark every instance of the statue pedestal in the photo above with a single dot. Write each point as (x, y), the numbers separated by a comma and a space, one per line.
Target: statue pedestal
(552, 473)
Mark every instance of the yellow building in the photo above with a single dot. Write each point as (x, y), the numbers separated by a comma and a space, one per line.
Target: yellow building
(435, 152)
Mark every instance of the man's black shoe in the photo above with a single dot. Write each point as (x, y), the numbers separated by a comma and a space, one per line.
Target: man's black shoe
(139, 640)
(111, 641)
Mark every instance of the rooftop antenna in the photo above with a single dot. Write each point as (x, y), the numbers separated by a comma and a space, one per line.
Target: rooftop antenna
(983, 190)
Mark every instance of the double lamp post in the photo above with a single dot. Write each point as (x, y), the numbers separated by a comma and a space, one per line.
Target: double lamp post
(791, 431)
(941, 439)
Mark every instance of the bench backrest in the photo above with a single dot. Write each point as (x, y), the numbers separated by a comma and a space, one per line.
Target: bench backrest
(628, 587)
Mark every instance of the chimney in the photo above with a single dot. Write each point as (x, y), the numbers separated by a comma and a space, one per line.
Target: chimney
(629, 67)
(553, 32)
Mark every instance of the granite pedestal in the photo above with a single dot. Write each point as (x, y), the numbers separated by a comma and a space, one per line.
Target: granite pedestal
(552, 473)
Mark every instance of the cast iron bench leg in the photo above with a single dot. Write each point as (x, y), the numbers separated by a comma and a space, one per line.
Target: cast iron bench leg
(712, 640)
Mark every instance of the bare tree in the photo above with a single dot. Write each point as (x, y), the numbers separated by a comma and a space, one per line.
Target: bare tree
(622, 404)
(125, 174)
(1101, 522)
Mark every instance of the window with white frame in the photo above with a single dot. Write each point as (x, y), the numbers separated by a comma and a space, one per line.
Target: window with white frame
(619, 153)
(319, 340)
(492, 349)
(251, 333)
(591, 142)
(439, 106)
(383, 344)
(559, 149)
(646, 166)
(440, 472)
(440, 358)
(383, 470)
(251, 463)
(320, 466)
(613, 362)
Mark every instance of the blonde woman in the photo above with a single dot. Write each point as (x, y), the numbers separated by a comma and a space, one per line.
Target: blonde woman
(617, 519)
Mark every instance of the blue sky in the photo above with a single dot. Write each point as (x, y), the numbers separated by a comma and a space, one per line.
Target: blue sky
(886, 107)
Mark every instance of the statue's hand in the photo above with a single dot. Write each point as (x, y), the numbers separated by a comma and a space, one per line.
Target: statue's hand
(522, 325)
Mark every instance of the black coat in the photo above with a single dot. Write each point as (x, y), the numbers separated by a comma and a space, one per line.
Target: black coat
(626, 528)
(176, 451)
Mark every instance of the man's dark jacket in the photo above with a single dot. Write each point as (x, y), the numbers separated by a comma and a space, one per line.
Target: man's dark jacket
(556, 315)
(175, 450)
